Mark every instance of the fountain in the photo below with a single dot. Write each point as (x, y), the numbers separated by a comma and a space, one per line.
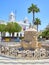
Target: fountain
(30, 41)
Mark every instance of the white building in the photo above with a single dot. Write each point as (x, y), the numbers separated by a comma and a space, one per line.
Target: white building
(24, 24)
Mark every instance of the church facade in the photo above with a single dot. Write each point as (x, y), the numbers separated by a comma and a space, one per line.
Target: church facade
(24, 24)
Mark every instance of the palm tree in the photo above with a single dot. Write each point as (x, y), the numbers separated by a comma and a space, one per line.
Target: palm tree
(34, 9)
(37, 22)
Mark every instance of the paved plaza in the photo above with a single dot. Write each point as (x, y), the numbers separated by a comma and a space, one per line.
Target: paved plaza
(11, 61)
(6, 60)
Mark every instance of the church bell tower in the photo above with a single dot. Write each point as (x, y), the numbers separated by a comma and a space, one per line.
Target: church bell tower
(12, 17)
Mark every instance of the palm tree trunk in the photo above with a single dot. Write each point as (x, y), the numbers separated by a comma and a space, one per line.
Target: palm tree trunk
(37, 28)
(33, 17)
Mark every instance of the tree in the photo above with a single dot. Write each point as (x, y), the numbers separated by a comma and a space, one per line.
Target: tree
(34, 9)
(13, 27)
(18, 28)
(47, 27)
(37, 22)
(45, 34)
(2, 28)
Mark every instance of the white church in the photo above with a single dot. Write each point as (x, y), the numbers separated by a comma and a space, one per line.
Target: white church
(24, 24)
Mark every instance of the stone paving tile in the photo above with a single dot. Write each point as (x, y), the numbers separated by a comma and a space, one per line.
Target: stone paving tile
(9, 61)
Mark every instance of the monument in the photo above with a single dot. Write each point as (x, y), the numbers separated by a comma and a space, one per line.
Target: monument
(30, 42)
(30, 39)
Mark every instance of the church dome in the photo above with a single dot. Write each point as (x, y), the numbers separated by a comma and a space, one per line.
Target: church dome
(26, 20)
(12, 13)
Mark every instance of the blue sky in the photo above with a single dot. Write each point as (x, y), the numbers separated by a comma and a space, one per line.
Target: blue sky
(20, 7)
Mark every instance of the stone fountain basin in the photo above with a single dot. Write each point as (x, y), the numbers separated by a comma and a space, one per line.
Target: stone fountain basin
(30, 45)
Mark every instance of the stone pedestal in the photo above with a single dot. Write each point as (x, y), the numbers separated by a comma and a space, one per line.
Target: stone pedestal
(30, 39)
